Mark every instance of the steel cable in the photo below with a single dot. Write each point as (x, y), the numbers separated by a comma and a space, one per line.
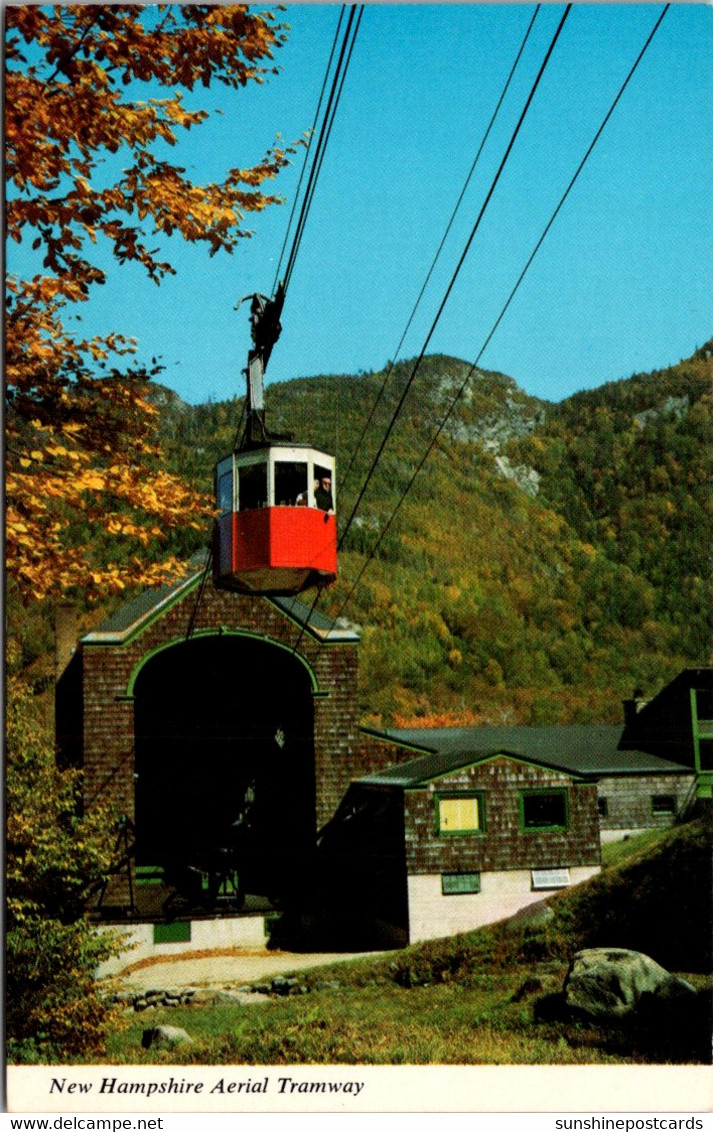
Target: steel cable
(469, 241)
(456, 273)
(329, 114)
(514, 290)
(382, 390)
(309, 146)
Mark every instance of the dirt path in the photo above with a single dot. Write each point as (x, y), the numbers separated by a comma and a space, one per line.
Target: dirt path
(224, 970)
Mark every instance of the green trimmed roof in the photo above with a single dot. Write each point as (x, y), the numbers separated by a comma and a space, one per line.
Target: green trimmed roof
(138, 613)
(583, 750)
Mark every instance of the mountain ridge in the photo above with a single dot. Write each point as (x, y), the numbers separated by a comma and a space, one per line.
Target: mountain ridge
(549, 556)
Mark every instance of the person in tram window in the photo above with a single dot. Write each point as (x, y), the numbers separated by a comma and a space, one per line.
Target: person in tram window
(323, 494)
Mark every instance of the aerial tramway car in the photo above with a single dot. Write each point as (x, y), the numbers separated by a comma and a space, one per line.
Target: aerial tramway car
(276, 531)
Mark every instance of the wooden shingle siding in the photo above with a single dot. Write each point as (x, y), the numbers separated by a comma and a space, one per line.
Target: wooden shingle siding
(629, 800)
(503, 844)
(108, 739)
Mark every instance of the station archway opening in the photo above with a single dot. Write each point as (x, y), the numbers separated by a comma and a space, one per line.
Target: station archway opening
(224, 768)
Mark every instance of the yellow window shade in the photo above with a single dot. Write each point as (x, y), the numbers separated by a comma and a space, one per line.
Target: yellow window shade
(456, 815)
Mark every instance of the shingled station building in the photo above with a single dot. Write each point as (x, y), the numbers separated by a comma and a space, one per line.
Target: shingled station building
(222, 729)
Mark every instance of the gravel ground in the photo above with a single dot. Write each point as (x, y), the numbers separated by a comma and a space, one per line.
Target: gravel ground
(225, 970)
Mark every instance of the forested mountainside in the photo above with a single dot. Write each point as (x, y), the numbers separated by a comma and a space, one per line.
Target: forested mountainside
(548, 558)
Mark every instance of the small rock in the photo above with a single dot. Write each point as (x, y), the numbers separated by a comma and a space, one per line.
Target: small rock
(227, 996)
(281, 985)
(140, 1004)
(164, 1037)
(125, 996)
(203, 997)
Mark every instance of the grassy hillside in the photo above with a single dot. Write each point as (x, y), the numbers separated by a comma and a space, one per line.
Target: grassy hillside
(491, 996)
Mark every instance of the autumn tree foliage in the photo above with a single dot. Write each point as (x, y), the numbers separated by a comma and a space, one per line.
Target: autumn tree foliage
(82, 453)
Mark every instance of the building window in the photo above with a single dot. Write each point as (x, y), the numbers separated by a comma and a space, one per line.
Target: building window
(177, 931)
(603, 807)
(460, 813)
(550, 878)
(460, 884)
(663, 804)
(543, 809)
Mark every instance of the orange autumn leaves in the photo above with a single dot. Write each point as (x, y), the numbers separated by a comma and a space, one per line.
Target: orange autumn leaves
(83, 464)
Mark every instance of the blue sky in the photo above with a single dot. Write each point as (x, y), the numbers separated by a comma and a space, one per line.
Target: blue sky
(622, 283)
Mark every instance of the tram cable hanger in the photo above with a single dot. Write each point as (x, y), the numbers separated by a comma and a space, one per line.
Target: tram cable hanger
(276, 533)
(265, 329)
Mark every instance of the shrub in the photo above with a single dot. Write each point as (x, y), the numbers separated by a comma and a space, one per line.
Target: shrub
(55, 858)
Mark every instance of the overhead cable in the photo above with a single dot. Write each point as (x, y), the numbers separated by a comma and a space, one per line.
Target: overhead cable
(307, 150)
(337, 85)
(456, 273)
(325, 131)
(473, 367)
(397, 351)
(440, 310)
(201, 591)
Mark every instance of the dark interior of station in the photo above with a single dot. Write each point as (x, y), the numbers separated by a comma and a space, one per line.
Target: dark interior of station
(225, 786)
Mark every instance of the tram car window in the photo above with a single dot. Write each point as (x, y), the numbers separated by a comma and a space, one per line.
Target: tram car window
(225, 491)
(290, 483)
(252, 487)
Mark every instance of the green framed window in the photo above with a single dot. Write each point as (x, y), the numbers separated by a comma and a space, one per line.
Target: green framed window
(460, 884)
(178, 931)
(462, 813)
(543, 810)
(663, 804)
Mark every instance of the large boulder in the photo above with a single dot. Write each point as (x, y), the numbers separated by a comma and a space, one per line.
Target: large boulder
(611, 982)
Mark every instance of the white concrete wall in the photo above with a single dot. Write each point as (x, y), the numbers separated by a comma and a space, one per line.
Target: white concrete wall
(433, 915)
(206, 935)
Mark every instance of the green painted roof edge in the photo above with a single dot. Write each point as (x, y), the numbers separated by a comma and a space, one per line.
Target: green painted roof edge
(115, 637)
(143, 621)
(330, 636)
(486, 756)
